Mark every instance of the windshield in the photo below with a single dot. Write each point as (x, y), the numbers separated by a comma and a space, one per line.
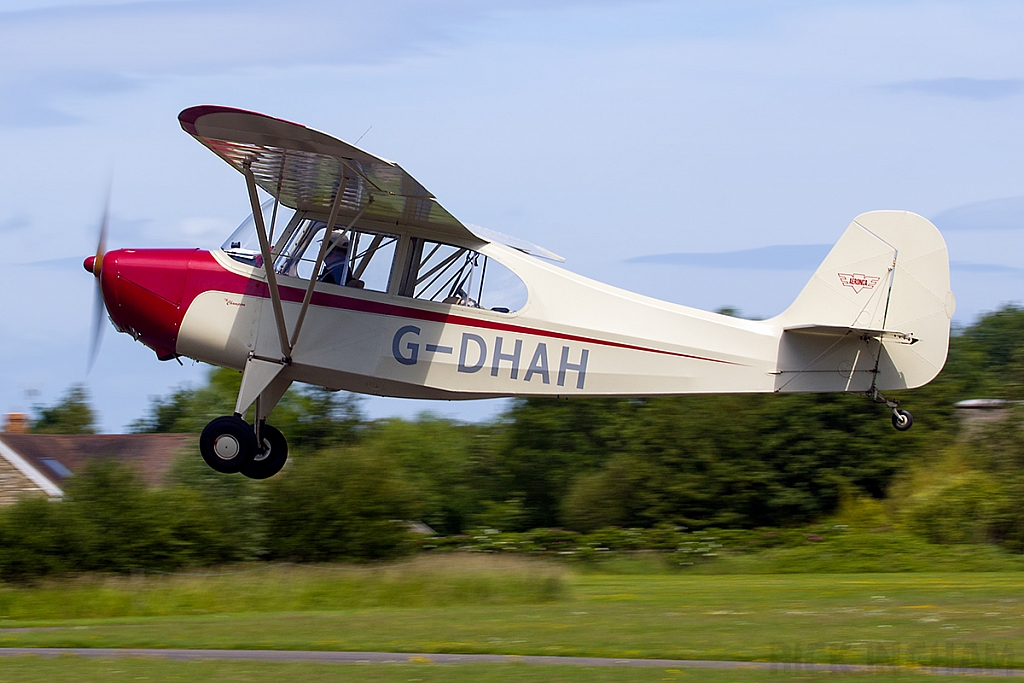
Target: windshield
(244, 245)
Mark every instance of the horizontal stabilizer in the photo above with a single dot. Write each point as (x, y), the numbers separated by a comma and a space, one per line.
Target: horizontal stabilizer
(864, 333)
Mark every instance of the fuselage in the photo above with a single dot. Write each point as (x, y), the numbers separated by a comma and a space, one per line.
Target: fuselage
(574, 336)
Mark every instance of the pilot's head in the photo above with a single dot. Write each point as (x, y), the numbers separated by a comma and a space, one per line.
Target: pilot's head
(338, 249)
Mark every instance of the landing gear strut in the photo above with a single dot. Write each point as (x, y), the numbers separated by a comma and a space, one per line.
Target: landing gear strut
(902, 420)
(229, 444)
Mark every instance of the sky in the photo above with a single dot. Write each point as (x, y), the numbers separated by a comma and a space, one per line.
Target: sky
(706, 153)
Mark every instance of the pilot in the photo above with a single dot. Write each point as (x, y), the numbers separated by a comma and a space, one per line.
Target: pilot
(336, 262)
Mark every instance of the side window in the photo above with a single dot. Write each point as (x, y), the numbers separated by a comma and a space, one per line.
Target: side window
(372, 256)
(354, 258)
(459, 276)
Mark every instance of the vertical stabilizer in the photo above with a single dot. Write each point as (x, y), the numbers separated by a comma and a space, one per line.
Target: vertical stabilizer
(876, 312)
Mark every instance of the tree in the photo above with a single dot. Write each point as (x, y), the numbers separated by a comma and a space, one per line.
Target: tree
(721, 460)
(337, 505)
(547, 443)
(70, 415)
(448, 463)
(311, 417)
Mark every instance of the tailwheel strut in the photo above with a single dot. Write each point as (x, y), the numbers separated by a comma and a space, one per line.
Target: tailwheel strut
(902, 420)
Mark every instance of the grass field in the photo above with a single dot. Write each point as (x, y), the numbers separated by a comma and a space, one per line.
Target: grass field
(474, 604)
(81, 670)
(425, 582)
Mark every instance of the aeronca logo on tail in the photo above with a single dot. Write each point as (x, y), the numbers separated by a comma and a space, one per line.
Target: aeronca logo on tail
(858, 281)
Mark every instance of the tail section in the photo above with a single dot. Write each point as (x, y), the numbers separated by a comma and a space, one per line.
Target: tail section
(876, 313)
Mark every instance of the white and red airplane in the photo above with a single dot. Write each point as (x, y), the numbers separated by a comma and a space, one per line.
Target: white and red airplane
(376, 288)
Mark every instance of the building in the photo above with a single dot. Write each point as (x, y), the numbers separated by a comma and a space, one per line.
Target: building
(40, 464)
(16, 423)
(978, 413)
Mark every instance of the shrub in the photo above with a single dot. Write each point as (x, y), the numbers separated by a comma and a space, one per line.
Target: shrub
(111, 522)
(36, 539)
(338, 505)
(964, 509)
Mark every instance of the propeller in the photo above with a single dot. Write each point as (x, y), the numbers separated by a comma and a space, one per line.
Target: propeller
(94, 264)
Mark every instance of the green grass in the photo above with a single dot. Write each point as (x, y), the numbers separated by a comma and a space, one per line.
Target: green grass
(425, 582)
(839, 548)
(869, 551)
(82, 670)
(478, 604)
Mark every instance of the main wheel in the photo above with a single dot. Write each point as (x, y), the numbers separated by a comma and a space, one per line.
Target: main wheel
(274, 453)
(227, 444)
(902, 420)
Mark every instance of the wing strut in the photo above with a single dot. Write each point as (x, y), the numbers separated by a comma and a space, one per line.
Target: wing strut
(268, 265)
(261, 374)
(275, 294)
(323, 254)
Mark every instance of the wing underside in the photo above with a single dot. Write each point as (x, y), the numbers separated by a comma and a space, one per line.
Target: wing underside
(305, 169)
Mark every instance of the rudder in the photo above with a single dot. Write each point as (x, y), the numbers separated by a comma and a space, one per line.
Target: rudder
(889, 271)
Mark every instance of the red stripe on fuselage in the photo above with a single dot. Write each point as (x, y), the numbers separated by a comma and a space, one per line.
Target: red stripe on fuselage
(206, 274)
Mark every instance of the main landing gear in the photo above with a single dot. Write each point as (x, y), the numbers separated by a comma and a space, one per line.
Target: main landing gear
(902, 420)
(229, 444)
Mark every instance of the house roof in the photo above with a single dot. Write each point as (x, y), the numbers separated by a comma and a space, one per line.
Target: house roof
(59, 456)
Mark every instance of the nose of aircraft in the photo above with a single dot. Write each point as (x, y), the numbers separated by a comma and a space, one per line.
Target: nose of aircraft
(142, 290)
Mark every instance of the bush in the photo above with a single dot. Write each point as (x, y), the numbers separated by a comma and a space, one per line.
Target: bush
(36, 539)
(964, 509)
(111, 522)
(119, 525)
(339, 505)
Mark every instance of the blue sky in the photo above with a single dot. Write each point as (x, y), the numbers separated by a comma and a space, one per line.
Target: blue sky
(633, 138)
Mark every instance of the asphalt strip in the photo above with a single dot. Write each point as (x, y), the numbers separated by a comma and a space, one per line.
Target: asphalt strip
(326, 657)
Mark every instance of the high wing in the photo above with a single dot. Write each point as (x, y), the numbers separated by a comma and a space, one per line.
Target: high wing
(304, 169)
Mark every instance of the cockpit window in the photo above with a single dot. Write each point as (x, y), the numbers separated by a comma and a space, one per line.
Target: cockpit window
(354, 258)
(243, 244)
(363, 259)
(456, 275)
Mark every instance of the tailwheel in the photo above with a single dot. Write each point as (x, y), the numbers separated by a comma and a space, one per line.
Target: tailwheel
(902, 420)
(227, 444)
(271, 457)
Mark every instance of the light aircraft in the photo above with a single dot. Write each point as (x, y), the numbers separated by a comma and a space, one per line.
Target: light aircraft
(353, 277)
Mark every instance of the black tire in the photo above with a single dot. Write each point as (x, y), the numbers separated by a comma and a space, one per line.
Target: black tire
(227, 444)
(902, 420)
(272, 459)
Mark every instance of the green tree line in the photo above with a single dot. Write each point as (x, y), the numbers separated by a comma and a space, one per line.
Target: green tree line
(717, 461)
